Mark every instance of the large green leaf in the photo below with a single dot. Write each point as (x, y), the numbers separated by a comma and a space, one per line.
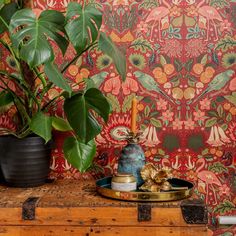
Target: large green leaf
(5, 16)
(109, 48)
(82, 25)
(78, 154)
(77, 109)
(2, 3)
(41, 125)
(95, 100)
(60, 124)
(56, 77)
(80, 119)
(5, 98)
(30, 35)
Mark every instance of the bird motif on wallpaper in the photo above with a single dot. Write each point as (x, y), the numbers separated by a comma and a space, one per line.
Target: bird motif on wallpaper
(217, 83)
(151, 85)
(210, 14)
(160, 15)
(208, 178)
(156, 15)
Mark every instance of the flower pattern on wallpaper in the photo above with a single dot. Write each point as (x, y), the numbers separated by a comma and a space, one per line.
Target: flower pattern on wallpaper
(181, 57)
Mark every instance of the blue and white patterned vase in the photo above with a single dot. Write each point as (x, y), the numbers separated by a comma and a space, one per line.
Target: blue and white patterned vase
(131, 160)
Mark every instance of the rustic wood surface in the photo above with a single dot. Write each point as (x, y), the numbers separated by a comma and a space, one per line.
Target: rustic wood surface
(100, 231)
(66, 193)
(72, 207)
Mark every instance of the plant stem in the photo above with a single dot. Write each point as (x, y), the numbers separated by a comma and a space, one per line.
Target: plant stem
(20, 4)
(17, 101)
(4, 131)
(4, 22)
(21, 86)
(76, 57)
(5, 45)
(51, 102)
(40, 76)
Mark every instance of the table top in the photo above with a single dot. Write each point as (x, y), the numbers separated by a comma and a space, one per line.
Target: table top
(66, 193)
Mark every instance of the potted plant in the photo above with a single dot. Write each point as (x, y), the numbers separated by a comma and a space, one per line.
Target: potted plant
(24, 160)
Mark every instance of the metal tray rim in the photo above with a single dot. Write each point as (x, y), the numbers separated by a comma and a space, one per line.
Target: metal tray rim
(104, 190)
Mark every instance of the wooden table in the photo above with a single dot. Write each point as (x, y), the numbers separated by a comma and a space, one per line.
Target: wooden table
(72, 207)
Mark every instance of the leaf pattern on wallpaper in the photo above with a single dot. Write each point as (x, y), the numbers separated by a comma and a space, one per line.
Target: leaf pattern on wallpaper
(217, 168)
(114, 102)
(142, 45)
(219, 3)
(156, 123)
(147, 4)
(226, 43)
(231, 98)
(225, 207)
(127, 102)
(99, 78)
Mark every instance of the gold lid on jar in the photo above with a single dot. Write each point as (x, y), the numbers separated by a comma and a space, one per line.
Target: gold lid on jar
(123, 178)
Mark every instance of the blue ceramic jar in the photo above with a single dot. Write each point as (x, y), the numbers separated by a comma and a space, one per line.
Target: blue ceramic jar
(131, 160)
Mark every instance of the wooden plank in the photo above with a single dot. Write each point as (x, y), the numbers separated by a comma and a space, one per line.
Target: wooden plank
(66, 193)
(88, 216)
(111, 216)
(100, 231)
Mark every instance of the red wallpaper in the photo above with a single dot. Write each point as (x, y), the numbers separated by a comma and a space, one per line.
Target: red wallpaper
(181, 58)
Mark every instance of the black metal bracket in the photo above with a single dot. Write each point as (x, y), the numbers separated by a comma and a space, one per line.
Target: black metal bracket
(28, 208)
(194, 211)
(144, 212)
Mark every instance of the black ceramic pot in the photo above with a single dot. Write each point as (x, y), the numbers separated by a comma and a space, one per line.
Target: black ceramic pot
(24, 162)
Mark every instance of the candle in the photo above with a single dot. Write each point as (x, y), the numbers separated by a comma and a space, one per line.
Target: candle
(133, 115)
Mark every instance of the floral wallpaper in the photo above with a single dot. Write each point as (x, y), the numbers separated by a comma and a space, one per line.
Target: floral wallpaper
(181, 59)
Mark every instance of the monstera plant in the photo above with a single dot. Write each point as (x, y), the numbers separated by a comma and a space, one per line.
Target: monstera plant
(29, 39)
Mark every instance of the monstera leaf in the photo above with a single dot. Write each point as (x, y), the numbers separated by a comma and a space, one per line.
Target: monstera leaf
(82, 25)
(5, 16)
(78, 154)
(41, 125)
(109, 48)
(30, 35)
(60, 124)
(55, 76)
(78, 111)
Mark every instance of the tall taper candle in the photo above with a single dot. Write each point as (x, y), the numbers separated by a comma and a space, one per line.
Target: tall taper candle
(134, 115)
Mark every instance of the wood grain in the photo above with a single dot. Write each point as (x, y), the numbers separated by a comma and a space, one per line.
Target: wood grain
(100, 231)
(93, 216)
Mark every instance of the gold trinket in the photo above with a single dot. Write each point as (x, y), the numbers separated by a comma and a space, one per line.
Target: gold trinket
(155, 179)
